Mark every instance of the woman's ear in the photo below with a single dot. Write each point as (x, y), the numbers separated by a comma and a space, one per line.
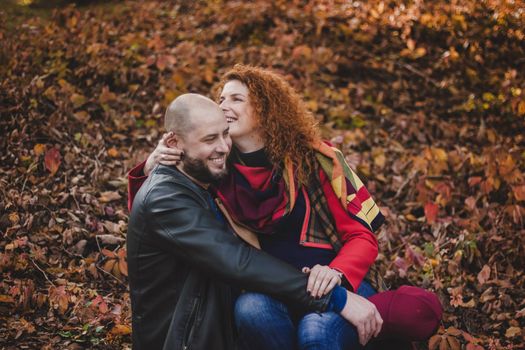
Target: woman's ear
(172, 140)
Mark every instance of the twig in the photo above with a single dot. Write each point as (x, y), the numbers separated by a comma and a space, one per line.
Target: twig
(43, 272)
(419, 73)
(111, 275)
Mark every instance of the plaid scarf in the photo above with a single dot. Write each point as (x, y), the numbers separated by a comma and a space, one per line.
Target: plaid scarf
(258, 198)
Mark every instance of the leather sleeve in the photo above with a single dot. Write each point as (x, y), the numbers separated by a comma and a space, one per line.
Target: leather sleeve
(184, 226)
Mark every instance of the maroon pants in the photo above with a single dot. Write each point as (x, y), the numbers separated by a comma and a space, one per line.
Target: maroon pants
(409, 314)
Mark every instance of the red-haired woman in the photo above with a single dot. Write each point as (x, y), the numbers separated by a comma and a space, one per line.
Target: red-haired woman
(309, 209)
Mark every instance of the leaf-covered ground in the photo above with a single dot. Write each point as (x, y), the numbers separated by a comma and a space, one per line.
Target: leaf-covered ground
(427, 99)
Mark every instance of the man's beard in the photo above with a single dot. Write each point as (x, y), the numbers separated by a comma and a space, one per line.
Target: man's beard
(197, 169)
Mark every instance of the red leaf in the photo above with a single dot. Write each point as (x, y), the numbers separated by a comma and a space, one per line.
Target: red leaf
(431, 211)
(52, 160)
(473, 181)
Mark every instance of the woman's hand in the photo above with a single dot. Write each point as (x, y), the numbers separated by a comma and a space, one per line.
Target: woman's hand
(363, 315)
(163, 154)
(322, 280)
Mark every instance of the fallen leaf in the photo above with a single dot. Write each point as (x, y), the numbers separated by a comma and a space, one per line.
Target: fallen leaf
(431, 211)
(121, 329)
(109, 196)
(52, 160)
(39, 149)
(484, 275)
(512, 332)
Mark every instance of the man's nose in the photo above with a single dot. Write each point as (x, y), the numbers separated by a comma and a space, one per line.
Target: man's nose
(224, 145)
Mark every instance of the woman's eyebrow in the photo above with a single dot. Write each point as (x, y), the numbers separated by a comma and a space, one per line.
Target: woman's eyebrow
(237, 94)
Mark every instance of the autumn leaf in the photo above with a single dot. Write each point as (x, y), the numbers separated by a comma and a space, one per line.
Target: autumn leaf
(113, 152)
(121, 329)
(431, 211)
(52, 160)
(512, 332)
(109, 196)
(519, 192)
(484, 275)
(39, 149)
(77, 100)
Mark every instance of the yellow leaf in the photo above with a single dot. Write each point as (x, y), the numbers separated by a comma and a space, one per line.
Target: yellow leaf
(512, 332)
(521, 108)
(39, 149)
(77, 100)
(419, 52)
(113, 152)
(14, 218)
(6, 299)
(121, 329)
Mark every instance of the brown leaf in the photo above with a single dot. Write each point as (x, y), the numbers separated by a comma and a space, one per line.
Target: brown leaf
(110, 239)
(78, 100)
(52, 160)
(484, 275)
(512, 332)
(109, 196)
(110, 254)
(108, 265)
(453, 343)
(434, 341)
(519, 192)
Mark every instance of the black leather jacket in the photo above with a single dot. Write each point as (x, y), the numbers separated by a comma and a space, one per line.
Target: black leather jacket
(182, 261)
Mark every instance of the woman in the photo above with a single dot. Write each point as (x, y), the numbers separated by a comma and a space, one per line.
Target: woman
(309, 209)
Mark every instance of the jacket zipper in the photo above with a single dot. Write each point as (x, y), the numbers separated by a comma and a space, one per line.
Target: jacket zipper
(192, 322)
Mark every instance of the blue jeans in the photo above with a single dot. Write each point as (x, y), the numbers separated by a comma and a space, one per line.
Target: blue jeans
(264, 323)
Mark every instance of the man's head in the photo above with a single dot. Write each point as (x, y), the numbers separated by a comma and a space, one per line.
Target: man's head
(199, 128)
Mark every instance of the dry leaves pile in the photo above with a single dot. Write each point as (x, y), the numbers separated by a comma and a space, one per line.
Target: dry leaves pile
(426, 99)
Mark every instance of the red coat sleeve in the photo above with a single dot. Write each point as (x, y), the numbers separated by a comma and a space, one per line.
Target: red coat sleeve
(359, 249)
(136, 178)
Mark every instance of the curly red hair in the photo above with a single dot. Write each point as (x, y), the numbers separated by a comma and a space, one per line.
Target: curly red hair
(289, 129)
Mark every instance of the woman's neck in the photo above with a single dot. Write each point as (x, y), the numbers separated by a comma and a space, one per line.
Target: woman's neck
(249, 143)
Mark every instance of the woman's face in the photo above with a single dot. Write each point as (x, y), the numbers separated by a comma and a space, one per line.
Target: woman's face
(235, 103)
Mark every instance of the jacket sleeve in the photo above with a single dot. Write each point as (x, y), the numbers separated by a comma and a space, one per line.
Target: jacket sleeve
(359, 249)
(184, 227)
(136, 178)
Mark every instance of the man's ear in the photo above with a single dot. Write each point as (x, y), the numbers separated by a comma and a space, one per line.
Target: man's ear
(172, 140)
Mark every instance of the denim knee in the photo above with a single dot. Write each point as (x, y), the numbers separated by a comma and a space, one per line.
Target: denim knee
(254, 309)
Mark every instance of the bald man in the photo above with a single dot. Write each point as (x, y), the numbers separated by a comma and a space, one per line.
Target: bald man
(183, 258)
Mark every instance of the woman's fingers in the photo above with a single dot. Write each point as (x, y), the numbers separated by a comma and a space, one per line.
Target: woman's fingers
(334, 280)
(319, 282)
(312, 279)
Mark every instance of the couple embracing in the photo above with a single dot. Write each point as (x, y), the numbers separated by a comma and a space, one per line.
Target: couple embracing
(247, 231)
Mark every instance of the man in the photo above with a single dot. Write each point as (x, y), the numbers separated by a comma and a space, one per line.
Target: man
(182, 258)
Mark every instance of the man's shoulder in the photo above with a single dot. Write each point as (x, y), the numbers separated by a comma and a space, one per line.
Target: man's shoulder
(165, 181)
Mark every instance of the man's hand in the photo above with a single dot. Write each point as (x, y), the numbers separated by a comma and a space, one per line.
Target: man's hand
(322, 280)
(163, 154)
(363, 314)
